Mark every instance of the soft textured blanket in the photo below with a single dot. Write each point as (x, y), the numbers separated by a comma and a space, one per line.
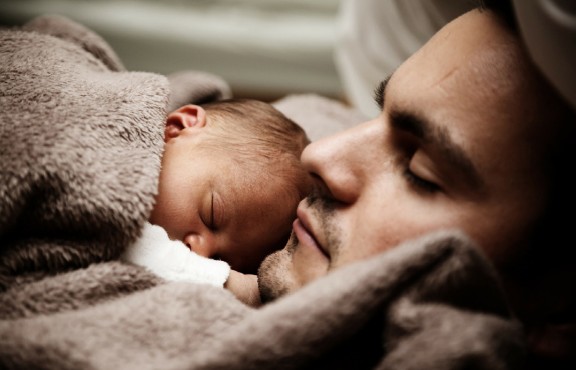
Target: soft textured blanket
(81, 142)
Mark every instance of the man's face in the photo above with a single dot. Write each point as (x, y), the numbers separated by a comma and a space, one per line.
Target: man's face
(458, 144)
(218, 207)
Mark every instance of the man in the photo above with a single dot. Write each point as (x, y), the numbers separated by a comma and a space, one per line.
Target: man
(471, 136)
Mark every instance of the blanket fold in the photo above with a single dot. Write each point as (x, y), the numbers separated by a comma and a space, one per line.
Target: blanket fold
(378, 313)
(81, 142)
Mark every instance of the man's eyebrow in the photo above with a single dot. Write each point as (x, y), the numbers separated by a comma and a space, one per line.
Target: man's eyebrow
(439, 138)
(380, 92)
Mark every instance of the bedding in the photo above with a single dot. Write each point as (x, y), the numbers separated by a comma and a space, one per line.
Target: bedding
(81, 143)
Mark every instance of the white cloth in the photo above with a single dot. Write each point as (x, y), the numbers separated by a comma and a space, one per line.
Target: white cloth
(376, 36)
(173, 260)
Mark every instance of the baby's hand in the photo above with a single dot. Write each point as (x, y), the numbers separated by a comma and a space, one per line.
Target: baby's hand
(244, 287)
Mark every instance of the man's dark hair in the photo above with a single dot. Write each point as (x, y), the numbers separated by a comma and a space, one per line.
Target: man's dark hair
(503, 8)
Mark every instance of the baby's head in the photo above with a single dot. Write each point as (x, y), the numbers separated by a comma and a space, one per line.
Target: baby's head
(231, 180)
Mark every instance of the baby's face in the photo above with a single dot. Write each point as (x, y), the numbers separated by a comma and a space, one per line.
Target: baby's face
(219, 209)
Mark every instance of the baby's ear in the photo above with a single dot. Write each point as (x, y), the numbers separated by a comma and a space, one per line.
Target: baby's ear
(184, 117)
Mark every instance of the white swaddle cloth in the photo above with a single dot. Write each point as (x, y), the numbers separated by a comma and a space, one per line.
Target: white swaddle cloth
(173, 260)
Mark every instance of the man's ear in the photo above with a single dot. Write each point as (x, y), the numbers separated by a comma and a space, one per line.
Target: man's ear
(184, 117)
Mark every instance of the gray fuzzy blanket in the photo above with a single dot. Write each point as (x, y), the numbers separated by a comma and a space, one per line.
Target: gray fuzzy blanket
(81, 142)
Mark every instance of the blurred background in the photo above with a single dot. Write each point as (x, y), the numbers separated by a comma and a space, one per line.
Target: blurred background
(263, 48)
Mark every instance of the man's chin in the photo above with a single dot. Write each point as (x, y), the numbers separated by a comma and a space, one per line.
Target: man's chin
(275, 275)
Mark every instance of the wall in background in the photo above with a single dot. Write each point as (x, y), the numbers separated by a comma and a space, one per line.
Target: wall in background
(263, 48)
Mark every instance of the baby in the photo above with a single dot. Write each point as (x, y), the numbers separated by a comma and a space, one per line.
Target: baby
(229, 186)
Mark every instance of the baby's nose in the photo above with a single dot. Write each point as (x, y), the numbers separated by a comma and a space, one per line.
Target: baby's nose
(203, 245)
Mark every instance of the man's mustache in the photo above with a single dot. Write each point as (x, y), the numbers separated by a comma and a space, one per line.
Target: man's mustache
(321, 200)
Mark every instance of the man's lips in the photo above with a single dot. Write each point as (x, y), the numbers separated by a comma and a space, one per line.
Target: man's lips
(304, 232)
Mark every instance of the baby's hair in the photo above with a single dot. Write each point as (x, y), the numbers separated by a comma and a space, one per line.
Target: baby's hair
(242, 120)
(261, 139)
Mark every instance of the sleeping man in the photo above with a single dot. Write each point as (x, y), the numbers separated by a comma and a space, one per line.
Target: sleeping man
(435, 237)
(470, 135)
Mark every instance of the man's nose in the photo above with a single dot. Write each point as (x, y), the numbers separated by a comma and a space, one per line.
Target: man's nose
(338, 162)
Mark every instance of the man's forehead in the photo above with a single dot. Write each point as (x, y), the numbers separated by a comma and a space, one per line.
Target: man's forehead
(475, 44)
(459, 73)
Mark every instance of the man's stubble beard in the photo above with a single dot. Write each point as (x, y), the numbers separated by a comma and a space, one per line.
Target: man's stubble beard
(275, 275)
